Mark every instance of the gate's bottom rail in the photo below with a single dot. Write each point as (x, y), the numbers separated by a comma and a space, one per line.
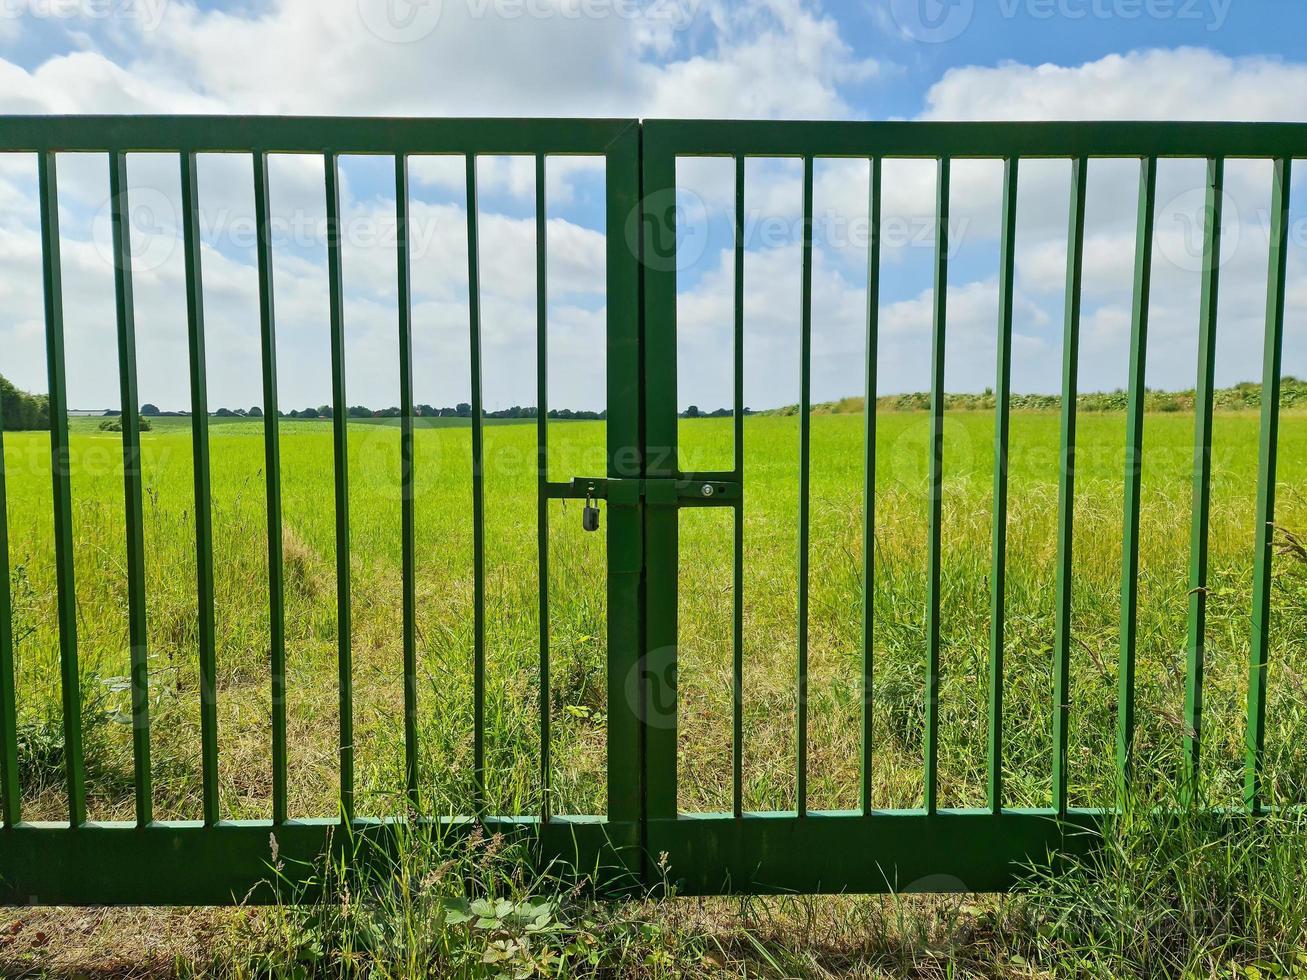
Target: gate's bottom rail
(189, 863)
(848, 851)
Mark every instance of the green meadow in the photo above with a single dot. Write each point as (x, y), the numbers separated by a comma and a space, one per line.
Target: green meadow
(577, 614)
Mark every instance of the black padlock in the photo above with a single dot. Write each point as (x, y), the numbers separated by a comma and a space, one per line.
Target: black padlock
(589, 516)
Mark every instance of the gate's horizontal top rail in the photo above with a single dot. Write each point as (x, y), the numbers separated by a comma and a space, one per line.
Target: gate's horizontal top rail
(307, 134)
(362, 134)
(977, 139)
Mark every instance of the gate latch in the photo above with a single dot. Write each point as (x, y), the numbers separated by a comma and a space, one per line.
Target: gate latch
(687, 490)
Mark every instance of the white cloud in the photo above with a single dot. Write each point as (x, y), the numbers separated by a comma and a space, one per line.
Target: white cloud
(481, 57)
(766, 58)
(1184, 83)
(777, 58)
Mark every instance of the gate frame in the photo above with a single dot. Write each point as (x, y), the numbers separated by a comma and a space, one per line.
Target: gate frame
(930, 848)
(213, 861)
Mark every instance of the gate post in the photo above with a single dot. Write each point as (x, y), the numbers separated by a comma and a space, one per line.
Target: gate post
(625, 465)
(661, 516)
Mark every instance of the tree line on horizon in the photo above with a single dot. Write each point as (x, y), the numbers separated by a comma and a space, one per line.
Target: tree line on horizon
(21, 410)
(462, 410)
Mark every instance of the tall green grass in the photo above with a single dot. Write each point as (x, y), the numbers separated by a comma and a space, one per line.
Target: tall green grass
(1162, 898)
(577, 613)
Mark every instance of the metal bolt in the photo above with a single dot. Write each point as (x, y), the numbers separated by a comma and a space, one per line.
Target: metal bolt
(707, 490)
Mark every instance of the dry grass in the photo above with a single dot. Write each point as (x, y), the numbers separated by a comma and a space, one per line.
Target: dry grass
(110, 942)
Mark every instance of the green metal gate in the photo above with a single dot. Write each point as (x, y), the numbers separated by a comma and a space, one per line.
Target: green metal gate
(214, 860)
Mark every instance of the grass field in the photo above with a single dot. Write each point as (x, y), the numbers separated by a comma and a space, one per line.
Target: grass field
(578, 613)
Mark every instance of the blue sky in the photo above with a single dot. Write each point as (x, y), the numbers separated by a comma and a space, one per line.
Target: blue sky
(876, 59)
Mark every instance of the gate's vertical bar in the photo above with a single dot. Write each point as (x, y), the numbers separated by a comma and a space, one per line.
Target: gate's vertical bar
(478, 499)
(272, 478)
(542, 471)
(1202, 496)
(869, 477)
(936, 485)
(11, 794)
(805, 465)
(206, 634)
(626, 763)
(1134, 465)
(737, 579)
(1002, 411)
(60, 466)
(138, 636)
(1265, 531)
(408, 529)
(659, 264)
(1066, 484)
(340, 455)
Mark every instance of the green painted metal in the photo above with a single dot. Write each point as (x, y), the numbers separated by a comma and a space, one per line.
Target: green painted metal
(661, 534)
(934, 540)
(805, 495)
(847, 851)
(1202, 498)
(1264, 532)
(737, 516)
(138, 636)
(994, 140)
(1066, 485)
(626, 556)
(542, 474)
(869, 481)
(345, 135)
(408, 520)
(272, 481)
(644, 489)
(478, 498)
(206, 635)
(683, 492)
(340, 459)
(118, 863)
(11, 792)
(1134, 467)
(60, 466)
(1002, 428)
